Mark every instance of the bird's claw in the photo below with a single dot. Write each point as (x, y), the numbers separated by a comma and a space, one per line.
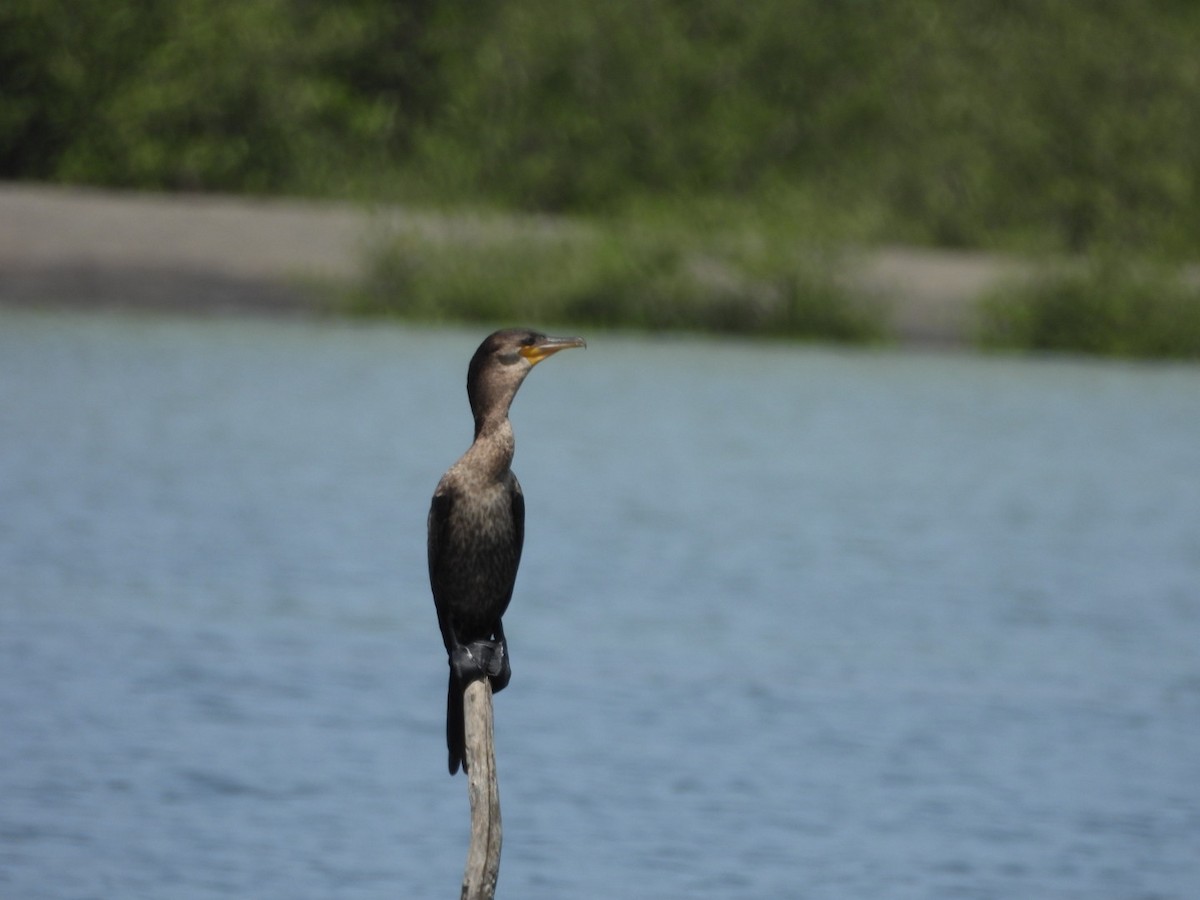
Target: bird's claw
(481, 659)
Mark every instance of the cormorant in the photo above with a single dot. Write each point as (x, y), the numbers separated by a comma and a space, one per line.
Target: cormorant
(477, 525)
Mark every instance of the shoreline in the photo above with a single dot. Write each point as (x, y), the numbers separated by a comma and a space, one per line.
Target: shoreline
(88, 248)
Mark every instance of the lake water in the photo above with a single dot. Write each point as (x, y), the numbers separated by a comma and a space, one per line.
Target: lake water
(791, 622)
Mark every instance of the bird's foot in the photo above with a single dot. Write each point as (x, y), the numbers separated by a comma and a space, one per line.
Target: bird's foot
(499, 671)
(481, 659)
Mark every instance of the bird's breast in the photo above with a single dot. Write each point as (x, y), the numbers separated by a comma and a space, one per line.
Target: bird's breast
(478, 555)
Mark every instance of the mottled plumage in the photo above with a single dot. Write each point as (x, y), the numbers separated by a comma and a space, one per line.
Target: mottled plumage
(477, 525)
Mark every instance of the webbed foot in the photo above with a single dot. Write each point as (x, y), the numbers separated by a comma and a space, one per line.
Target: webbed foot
(481, 659)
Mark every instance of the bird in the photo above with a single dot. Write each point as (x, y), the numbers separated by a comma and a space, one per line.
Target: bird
(476, 525)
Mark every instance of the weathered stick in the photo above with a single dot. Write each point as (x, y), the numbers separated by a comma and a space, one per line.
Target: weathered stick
(483, 856)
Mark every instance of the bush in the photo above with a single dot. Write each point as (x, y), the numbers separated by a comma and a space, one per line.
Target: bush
(617, 274)
(1103, 308)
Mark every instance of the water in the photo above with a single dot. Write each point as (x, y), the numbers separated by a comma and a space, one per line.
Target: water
(790, 623)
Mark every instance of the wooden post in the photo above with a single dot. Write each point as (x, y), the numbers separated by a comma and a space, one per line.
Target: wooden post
(483, 856)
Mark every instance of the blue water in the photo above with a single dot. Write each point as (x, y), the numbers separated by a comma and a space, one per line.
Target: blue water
(790, 622)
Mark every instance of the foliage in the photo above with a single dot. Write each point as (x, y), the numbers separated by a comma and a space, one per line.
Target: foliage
(1060, 126)
(618, 274)
(266, 95)
(58, 62)
(1026, 124)
(1103, 307)
(574, 106)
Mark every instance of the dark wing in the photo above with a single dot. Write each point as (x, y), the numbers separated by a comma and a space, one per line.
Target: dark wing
(518, 517)
(518, 509)
(437, 524)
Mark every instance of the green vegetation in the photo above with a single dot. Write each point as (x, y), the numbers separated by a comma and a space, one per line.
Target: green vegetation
(659, 276)
(256, 96)
(1034, 126)
(1026, 124)
(1100, 308)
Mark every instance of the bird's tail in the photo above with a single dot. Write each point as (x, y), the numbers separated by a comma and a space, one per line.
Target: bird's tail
(456, 736)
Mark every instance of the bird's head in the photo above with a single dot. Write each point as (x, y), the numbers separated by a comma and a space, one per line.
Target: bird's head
(501, 363)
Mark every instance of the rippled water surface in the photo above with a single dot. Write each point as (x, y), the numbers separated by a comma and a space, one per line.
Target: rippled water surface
(790, 623)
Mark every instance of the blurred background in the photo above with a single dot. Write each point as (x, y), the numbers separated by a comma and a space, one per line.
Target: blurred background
(853, 611)
(724, 158)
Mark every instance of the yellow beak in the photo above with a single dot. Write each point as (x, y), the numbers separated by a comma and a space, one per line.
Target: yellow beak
(535, 353)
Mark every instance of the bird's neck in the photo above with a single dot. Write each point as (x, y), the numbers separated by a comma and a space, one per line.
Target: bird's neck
(492, 450)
